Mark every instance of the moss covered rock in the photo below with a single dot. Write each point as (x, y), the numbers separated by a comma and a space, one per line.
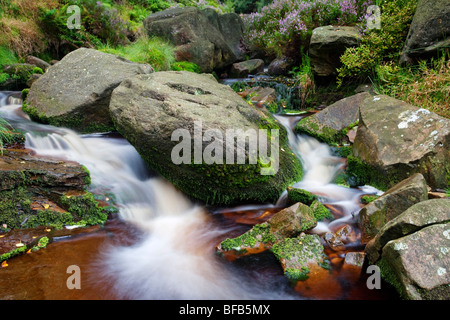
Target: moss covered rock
(75, 92)
(388, 149)
(186, 125)
(331, 124)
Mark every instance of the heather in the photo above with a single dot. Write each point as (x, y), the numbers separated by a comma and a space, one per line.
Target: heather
(285, 25)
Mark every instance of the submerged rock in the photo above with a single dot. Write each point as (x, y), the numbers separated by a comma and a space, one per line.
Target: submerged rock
(388, 149)
(75, 92)
(392, 203)
(190, 129)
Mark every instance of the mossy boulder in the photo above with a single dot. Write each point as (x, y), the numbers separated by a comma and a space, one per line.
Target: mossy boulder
(286, 223)
(301, 255)
(75, 92)
(16, 76)
(41, 192)
(389, 149)
(331, 124)
(376, 214)
(175, 118)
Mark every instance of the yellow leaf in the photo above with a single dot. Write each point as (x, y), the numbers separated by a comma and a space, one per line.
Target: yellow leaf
(46, 206)
(29, 251)
(4, 264)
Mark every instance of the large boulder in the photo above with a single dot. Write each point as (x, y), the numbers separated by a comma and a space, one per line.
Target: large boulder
(388, 149)
(245, 68)
(429, 31)
(416, 217)
(326, 46)
(393, 202)
(75, 92)
(330, 124)
(417, 264)
(201, 37)
(157, 111)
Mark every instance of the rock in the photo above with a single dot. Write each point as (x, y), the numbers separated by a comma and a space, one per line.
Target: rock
(300, 256)
(295, 195)
(38, 192)
(411, 140)
(245, 68)
(417, 265)
(281, 66)
(201, 37)
(429, 30)
(337, 240)
(376, 214)
(38, 62)
(286, 223)
(33, 78)
(355, 259)
(75, 92)
(330, 124)
(259, 96)
(19, 241)
(149, 109)
(19, 74)
(419, 215)
(326, 46)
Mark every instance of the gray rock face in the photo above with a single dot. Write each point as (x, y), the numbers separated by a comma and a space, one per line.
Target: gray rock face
(327, 45)
(403, 195)
(429, 31)
(201, 37)
(148, 109)
(410, 140)
(327, 125)
(75, 92)
(416, 217)
(245, 68)
(418, 264)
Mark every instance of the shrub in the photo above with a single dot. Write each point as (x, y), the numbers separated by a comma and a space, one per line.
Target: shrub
(379, 45)
(285, 25)
(154, 51)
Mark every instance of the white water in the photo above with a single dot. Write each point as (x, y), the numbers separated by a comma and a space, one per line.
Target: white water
(175, 260)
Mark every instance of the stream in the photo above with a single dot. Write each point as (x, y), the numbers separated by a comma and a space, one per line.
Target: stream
(162, 245)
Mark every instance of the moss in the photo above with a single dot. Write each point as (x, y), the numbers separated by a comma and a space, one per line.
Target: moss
(389, 275)
(320, 211)
(366, 199)
(296, 274)
(260, 233)
(15, 207)
(362, 173)
(84, 209)
(49, 218)
(322, 133)
(300, 195)
(13, 253)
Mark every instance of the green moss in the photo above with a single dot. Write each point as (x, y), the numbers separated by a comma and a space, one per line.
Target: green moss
(325, 134)
(49, 218)
(295, 195)
(389, 275)
(84, 209)
(296, 274)
(365, 199)
(260, 233)
(13, 253)
(15, 207)
(320, 211)
(361, 173)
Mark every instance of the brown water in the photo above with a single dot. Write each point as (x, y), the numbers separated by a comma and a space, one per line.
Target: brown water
(162, 246)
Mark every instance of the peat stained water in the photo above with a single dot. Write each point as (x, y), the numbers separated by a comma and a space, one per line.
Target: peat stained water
(163, 246)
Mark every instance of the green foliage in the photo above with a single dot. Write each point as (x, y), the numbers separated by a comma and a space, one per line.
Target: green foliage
(185, 66)
(378, 45)
(365, 199)
(6, 134)
(154, 51)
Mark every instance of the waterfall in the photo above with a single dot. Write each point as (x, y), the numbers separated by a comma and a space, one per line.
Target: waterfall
(175, 259)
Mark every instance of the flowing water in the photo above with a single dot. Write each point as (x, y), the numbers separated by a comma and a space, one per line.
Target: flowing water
(173, 257)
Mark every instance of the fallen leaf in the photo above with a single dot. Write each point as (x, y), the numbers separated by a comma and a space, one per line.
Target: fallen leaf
(29, 251)
(46, 206)
(20, 244)
(4, 264)
(2, 235)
